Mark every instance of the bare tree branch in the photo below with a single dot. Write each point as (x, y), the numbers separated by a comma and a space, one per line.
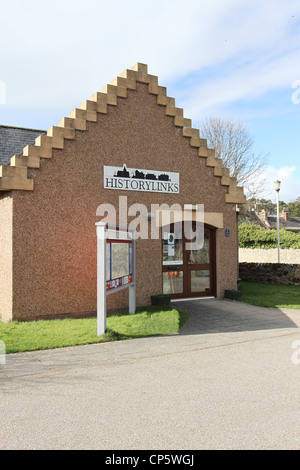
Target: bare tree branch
(234, 144)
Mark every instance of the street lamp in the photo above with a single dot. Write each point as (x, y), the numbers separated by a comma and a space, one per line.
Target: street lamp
(277, 189)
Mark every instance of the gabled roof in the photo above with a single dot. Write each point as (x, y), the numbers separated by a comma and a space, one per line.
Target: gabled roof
(13, 140)
(14, 177)
(293, 223)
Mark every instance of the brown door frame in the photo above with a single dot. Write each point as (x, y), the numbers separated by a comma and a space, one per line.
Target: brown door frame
(186, 268)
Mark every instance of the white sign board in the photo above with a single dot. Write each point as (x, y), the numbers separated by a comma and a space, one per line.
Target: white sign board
(133, 179)
(115, 267)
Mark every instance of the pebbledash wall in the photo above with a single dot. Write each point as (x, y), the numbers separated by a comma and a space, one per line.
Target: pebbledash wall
(51, 192)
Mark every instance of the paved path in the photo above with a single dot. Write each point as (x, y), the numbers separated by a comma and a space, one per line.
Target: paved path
(227, 381)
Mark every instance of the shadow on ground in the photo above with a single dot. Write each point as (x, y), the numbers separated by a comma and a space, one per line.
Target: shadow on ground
(221, 316)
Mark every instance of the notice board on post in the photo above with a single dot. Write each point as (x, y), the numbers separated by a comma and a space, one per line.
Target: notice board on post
(115, 267)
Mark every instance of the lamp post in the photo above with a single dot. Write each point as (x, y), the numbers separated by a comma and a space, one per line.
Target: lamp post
(277, 189)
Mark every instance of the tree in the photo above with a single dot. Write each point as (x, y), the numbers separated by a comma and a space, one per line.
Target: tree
(294, 208)
(234, 144)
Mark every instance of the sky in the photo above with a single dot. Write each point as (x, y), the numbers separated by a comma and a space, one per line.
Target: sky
(234, 59)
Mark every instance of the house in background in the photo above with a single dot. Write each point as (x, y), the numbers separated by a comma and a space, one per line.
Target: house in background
(255, 214)
(14, 139)
(291, 224)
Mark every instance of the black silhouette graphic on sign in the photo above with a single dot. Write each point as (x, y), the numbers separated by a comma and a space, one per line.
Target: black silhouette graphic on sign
(140, 175)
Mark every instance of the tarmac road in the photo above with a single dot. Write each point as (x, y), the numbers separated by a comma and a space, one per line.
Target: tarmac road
(229, 380)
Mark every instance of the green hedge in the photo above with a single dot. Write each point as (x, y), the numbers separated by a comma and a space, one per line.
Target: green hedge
(254, 236)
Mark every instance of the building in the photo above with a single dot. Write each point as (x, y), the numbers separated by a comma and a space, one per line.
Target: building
(286, 222)
(14, 139)
(258, 216)
(51, 191)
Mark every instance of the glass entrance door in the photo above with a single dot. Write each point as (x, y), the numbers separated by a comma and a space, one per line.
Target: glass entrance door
(173, 261)
(188, 272)
(200, 271)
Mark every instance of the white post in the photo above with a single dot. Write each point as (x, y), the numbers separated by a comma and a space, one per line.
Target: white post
(101, 278)
(132, 289)
(278, 232)
(132, 305)
(2, 353)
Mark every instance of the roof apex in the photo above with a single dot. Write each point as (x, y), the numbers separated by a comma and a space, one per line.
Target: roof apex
(108, 96)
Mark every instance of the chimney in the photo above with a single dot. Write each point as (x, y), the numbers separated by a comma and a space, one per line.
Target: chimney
(285, 214)
(258, 207)
(263, 215)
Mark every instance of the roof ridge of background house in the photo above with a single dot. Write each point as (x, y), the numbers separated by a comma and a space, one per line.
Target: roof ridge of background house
(22, 128)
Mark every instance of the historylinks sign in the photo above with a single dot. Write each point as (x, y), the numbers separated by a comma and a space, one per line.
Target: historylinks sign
(132, 179)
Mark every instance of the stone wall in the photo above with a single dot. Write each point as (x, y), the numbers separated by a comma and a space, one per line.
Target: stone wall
(256, 255)
(270, 273)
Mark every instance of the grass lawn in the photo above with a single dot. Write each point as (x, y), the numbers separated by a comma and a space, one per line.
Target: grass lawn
(50, 334)
(270, 295)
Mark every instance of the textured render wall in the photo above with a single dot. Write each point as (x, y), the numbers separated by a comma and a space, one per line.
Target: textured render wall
(270, 273)
(247, 255)
(55, 236)
(6, 237)
(227, 252)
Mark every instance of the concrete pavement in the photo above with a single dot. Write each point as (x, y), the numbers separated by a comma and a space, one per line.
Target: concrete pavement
(227, 381)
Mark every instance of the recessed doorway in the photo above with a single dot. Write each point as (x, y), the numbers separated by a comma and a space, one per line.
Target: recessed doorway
(188, 272)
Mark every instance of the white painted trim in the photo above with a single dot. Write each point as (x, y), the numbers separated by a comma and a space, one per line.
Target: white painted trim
(191, 298)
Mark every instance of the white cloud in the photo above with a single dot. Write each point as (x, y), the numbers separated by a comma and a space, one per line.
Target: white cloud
(63, 51)
(290, 184)
(56, 54)
(248, 83)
